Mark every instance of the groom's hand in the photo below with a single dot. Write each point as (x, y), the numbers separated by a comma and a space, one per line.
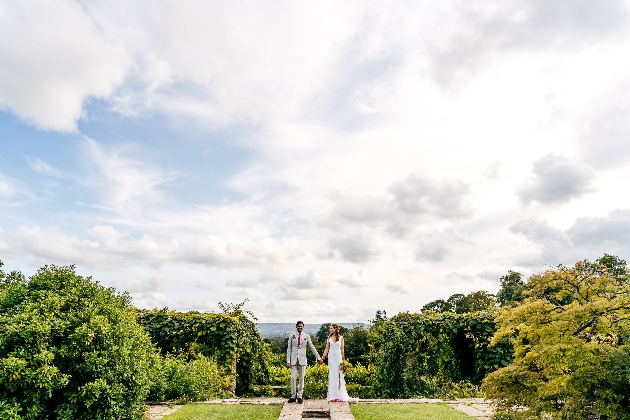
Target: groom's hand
(320, 361)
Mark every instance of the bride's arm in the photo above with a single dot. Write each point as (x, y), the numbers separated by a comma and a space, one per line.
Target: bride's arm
(326, 351)
(343, 354)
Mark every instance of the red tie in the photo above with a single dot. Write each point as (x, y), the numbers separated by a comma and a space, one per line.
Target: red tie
(299, 339)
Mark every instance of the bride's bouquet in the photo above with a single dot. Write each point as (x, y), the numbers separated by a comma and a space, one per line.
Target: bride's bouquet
(343, 366)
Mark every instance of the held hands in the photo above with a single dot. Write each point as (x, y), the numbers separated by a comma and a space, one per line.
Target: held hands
(320, 361)
(288, 365)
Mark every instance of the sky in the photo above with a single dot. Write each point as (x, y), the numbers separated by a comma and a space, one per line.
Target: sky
(323, 160)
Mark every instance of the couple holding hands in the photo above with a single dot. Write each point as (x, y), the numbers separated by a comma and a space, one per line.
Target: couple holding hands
(296, 360)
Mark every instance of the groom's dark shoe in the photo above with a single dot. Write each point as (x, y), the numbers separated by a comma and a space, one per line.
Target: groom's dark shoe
(291, 400)
(300, 400)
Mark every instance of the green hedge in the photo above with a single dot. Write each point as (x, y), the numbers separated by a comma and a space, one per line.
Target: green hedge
(427, 354)
(230, 339)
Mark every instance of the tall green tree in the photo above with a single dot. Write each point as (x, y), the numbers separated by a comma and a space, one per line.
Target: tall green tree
(571, 337)
(477, 302)
(461, 304)
(512, 290)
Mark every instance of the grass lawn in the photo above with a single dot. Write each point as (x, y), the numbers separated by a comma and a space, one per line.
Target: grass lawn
(406, 412)
(194, 411)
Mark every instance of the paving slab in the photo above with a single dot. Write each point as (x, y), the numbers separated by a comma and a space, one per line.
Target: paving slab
(479, 411)
(316, 404)
(263, 401)
(292, 411)
(158, 411)
(340, 411)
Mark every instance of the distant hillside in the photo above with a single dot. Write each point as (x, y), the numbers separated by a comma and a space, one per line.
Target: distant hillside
(282, 329)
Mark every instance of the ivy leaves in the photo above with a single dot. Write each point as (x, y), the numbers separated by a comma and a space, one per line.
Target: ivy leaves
(414, 349)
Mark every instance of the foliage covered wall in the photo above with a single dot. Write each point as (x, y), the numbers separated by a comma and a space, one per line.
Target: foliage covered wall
(415, 353)
(230, 338)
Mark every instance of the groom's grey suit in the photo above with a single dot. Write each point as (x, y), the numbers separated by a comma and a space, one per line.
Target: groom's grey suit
(296, 356)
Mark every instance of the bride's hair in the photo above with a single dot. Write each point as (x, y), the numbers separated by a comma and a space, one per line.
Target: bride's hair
(336, 332)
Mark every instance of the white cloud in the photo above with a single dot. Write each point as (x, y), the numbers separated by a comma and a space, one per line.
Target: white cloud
(43, 168)
(436, 245)
(54, 57)
(557, 179)
(238, 251)
(419, 195)
(111, 249)
(7, 187)
(356, 248)
(130, 183)
(611, 233)
(403, 289)
(355, 280)
(587, 237)
(13, 192)
(244, 283)
(474, 32)
(492, 275)
(383, 147)
(360, 226)
(311, 280)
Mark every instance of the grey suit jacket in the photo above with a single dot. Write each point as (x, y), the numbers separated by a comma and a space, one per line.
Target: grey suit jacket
(297, 354)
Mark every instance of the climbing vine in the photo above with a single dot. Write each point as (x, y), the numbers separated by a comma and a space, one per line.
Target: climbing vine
(413, 352)
(229, 338)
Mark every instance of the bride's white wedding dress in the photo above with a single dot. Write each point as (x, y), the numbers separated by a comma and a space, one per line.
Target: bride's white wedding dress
(336, 383)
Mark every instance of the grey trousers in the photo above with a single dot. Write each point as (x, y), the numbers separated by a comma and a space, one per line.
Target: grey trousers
(297, 372)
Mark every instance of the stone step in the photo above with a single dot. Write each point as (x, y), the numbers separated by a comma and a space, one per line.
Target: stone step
(315, 414)
(316, 410)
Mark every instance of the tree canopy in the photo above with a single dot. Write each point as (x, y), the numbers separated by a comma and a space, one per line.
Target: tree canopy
(512, 290)
(571, 337)
(461, 304)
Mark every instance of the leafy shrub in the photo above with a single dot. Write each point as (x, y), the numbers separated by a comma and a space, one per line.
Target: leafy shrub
(279, 375)
(70, 349)
(261, 391)
(316, 381)
(449, 390)
(359, 380)
(194, 380)
(359, 374)
(359, 391)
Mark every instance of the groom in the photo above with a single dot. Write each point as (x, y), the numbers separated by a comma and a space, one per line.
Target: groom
(296, 359)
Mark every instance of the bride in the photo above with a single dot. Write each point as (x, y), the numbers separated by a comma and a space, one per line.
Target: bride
(335, 351)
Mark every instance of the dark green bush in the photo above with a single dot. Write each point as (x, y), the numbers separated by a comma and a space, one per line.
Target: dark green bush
(70, 349)
(359, 391)
(261, 391)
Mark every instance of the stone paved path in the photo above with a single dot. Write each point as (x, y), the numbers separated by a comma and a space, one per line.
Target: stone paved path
(316, 410)
(476, 408)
